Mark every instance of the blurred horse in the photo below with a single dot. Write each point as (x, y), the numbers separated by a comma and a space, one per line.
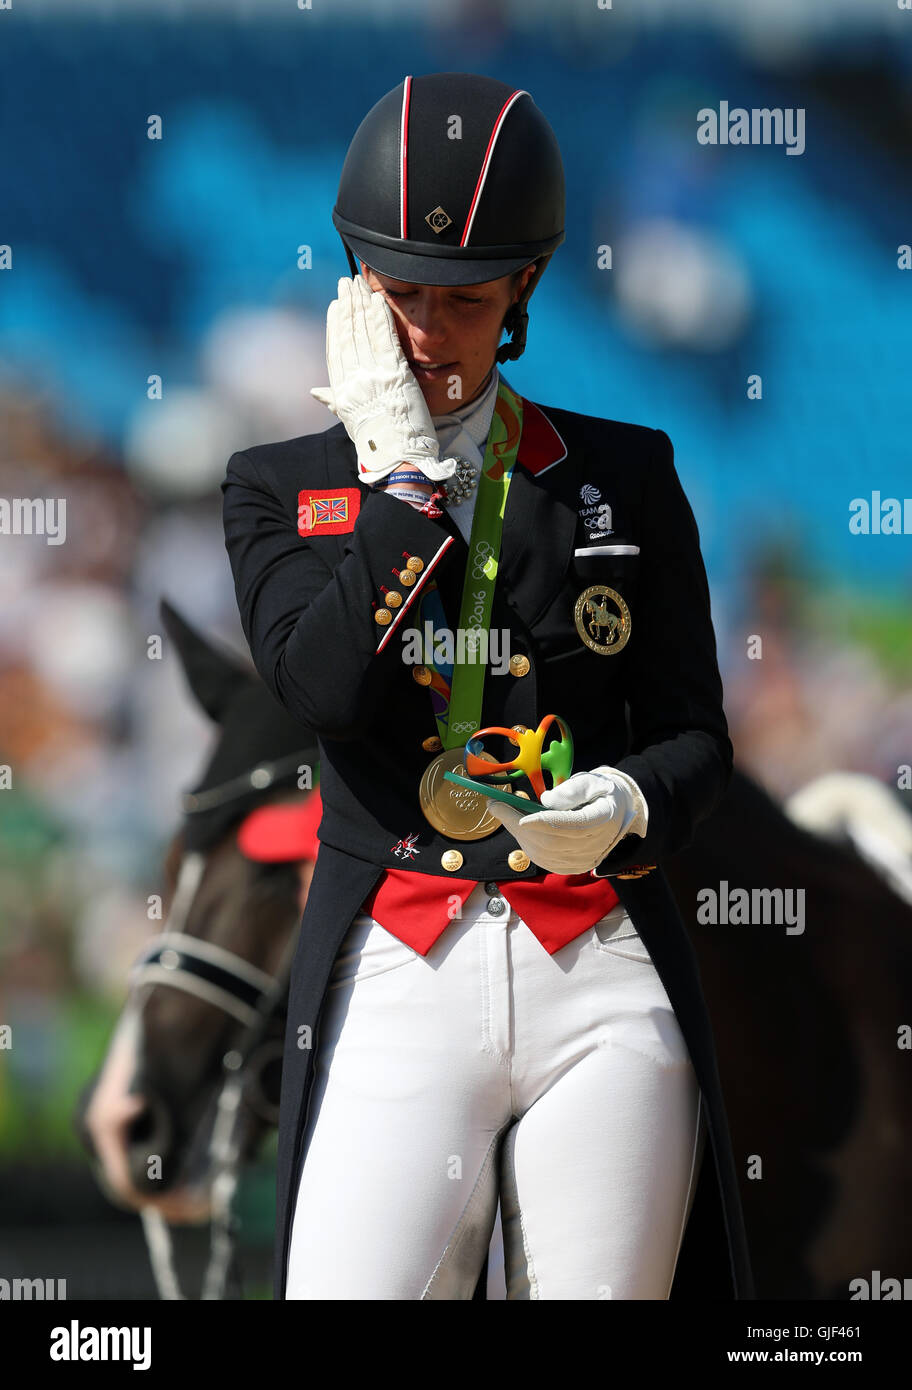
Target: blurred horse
(189, 1085)
(808, 1026)
(860, 811)
(805, 1021)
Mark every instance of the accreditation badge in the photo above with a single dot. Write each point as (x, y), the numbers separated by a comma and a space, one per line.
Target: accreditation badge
(602, 619)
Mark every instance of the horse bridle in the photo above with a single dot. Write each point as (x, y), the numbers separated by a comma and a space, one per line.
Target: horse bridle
(253, 998)
(219, 977)
(211, 972)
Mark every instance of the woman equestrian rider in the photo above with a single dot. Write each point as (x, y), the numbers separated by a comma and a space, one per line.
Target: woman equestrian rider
(492, 1001)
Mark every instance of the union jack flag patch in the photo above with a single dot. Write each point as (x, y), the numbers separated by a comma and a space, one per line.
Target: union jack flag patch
(323, 513)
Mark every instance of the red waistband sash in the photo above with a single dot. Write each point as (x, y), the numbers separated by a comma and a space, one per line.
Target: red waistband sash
(417, 908)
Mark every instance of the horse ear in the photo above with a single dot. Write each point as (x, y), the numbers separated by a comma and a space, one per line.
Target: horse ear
(215, 676)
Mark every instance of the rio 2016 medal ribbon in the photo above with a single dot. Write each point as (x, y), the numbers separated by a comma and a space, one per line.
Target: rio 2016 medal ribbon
(459, 811)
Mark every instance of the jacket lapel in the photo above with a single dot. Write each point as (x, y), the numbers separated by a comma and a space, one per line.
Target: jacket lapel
(450, 576)
(540, 519)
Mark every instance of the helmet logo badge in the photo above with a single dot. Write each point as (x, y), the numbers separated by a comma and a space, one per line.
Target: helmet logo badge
(438, 220)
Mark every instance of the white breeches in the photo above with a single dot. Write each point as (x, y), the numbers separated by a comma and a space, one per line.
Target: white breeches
(489, 1073)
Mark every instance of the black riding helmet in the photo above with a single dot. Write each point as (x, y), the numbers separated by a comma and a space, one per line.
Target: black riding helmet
(454, 179)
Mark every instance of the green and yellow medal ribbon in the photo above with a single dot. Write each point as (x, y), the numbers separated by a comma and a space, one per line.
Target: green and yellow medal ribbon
(457, 701)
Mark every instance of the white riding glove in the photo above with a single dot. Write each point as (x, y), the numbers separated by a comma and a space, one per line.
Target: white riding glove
(584, 819)
(373, 389)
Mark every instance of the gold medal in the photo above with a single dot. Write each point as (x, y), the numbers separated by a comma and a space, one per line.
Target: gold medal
(602, 630)
(455, 811)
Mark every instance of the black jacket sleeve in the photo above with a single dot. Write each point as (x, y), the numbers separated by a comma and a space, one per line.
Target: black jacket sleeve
(295, 607)
(681, 755)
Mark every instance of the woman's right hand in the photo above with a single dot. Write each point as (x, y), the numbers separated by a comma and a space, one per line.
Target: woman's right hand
(373, 390)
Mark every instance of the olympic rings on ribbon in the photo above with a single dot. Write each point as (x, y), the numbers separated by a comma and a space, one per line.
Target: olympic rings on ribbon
(480, 557)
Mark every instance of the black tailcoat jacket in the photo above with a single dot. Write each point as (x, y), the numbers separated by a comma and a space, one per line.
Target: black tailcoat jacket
(311, 550)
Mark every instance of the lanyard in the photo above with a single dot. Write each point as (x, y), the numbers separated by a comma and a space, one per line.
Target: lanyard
(457, 685)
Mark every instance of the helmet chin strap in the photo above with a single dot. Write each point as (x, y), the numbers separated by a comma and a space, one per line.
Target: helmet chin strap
(516, 321)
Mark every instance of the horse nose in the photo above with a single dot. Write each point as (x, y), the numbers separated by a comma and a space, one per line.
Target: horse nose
(150, 1146)
(79, 1116)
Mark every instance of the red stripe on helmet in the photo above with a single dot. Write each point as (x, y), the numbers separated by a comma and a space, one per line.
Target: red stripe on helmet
(403, 159)
(486, 162)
